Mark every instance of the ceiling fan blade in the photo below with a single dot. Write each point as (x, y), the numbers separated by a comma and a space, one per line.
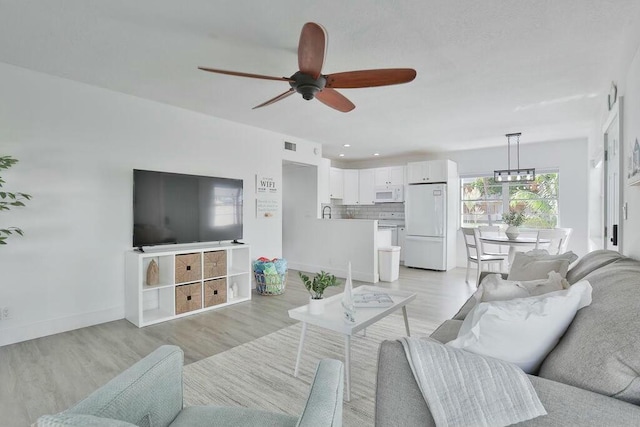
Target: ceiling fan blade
(236, 73)
(276, 99)
(311, 49)
(370, 78)
(335, 99)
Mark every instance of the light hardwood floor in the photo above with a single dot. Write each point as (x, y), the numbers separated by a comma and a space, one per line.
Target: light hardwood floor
(50, 374)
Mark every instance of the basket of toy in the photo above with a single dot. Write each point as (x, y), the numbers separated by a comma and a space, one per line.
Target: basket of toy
(271, 275)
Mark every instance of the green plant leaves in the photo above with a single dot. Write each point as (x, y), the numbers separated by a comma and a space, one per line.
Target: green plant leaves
(319, 283)
(513, 218)
(6, 232)
(9, 200)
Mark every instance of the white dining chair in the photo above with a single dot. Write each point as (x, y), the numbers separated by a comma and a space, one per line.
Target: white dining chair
(475, 255)
(490, 231)
(565, 241)
(557, 240)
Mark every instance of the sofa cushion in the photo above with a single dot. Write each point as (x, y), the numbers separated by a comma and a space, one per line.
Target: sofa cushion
(523, 330)
(468, 306)
(601, 350)
(399, 401)
(447, 331)
(501, 277)
(79, 420)
(535, 267)
(216, 416)
(477, 296)
(544, 254)
(495, 288)
(591, 262)
(571, 406)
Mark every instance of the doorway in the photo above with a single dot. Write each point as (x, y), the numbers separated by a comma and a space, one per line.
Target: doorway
(300, 204)
(613, 179)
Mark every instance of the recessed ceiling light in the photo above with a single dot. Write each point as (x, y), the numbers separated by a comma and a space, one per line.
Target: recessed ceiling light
(341, 155)
(376, 154)
(347, 145)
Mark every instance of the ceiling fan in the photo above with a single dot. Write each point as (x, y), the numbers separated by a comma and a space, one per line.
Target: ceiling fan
(311, 83)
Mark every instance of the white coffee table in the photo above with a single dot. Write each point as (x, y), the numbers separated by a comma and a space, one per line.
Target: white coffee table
(332, 319)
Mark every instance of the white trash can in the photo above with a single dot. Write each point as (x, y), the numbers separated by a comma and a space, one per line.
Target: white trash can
(389, 263)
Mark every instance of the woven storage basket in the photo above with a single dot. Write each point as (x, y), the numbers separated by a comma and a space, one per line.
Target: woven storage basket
(215, 292)
(215, 264)
(188, 298)
(188, 268)
(270, 284)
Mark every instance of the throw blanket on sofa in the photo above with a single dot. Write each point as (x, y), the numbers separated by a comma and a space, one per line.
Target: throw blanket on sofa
(467, 389)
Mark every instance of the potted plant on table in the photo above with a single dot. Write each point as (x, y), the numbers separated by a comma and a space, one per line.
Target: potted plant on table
(513, 219)
(316, 288)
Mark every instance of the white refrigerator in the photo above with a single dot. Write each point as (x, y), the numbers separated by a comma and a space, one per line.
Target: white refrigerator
(426, 226)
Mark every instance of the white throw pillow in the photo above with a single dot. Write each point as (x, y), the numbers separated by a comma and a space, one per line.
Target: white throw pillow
(522, 330)
(536, 265)
(495, 288)
(544, 254)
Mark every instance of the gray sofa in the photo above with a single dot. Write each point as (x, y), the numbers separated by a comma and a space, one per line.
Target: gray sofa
(591, 378)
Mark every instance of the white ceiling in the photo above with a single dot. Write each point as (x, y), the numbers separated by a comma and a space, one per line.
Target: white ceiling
(485, 68)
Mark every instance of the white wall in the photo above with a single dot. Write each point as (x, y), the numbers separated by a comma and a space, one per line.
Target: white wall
(629, 87)
(330, 244)
(77, 146)
(568, 157)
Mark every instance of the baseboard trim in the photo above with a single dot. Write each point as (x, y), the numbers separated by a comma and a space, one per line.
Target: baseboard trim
(43, 328)
(340, 272)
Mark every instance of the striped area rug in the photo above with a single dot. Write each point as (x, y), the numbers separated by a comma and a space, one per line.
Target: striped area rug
(259, 374)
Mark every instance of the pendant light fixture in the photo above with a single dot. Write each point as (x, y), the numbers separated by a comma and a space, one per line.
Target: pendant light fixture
(514, 175)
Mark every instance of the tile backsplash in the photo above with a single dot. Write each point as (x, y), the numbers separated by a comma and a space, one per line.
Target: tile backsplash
(363, 212)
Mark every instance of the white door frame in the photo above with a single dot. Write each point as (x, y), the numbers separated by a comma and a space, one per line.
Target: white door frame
(613, 177)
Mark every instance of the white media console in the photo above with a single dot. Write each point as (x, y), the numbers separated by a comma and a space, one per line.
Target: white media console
(191, 279)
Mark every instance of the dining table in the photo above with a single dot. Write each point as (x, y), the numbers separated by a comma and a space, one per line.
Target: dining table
(514, 244)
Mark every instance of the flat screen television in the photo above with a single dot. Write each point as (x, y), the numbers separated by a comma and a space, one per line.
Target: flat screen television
(171, 208)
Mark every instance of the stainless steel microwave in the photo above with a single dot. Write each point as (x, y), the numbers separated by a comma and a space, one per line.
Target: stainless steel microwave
(389, 194)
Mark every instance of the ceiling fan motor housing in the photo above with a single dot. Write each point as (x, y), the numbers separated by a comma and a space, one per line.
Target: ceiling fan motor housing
(306, 85)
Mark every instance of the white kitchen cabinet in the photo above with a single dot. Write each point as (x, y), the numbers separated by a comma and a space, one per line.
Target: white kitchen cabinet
(392, 175)
(324, 193)
(351, 190)
(336, 183)
(396, 175)
(427, 171)
(416, 172)
(367, 189)
(438, 170)
(359, 188)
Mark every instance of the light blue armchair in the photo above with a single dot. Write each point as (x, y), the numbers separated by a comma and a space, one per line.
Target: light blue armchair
(149, 394)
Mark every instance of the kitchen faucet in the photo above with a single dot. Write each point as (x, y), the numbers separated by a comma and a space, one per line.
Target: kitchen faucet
(323, 213)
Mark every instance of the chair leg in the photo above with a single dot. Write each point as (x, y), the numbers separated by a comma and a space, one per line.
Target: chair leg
(478, 276)
(468, 267)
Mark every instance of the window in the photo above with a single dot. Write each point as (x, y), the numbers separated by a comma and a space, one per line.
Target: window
(484, 200)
